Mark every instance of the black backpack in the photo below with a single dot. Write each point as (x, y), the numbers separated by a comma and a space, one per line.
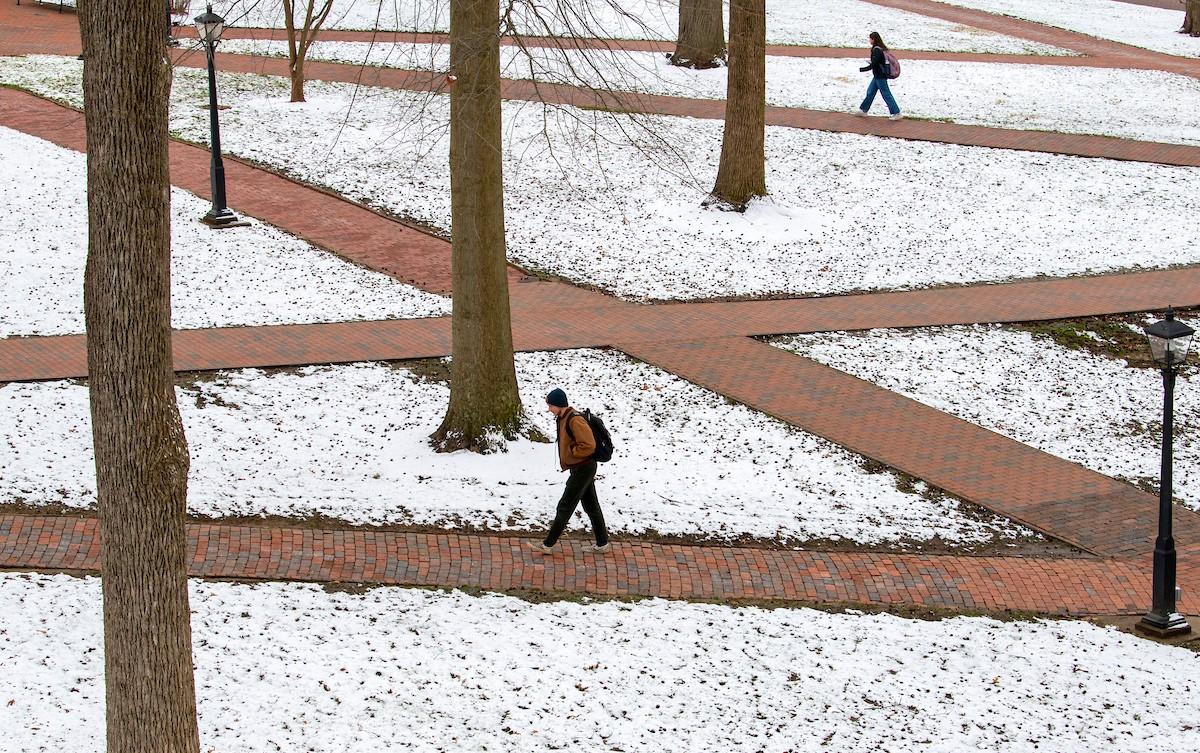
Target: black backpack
(604, 445)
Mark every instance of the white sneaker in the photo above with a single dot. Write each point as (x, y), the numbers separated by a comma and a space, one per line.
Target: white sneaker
(897, 116)
(601, 549)
(859, 113)
(540, 548)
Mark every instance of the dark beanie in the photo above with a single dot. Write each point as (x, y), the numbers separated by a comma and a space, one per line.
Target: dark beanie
(557, 398)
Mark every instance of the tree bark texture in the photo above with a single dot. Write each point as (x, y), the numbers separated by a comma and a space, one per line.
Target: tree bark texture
(140, 450)
(1191, 18)
(301, 38)
(484, 402)
(741, 175)
(701, 42)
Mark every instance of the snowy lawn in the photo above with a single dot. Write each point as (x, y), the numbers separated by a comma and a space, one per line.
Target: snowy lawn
(289, 667)
(849, 213)
(1137, 25)
(614, 200)
(1092, 410)
(351, 442)
(826, 23)
(1147, 105)
(220, 278)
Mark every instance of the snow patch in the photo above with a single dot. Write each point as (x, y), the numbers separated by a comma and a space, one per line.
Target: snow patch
(286, 666)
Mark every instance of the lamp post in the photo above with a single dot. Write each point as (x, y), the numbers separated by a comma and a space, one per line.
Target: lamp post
(1169, 341)
(209, 26)
(171, 40)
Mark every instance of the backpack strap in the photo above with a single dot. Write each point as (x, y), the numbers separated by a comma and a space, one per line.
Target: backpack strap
(585, 415)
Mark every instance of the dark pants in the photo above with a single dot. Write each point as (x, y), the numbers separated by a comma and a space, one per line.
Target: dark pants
(580, 487)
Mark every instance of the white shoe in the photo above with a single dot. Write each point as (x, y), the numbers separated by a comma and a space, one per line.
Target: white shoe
(601, 549)
(859, 113)
(897, 116)
(540, 548)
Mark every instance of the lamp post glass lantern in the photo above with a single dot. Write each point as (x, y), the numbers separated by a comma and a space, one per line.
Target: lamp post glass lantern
(209, 26)
(1169, 341)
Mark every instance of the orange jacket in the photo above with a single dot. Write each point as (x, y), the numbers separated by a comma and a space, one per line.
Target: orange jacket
(575, 447)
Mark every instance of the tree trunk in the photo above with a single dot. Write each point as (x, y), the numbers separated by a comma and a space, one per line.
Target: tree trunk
(140, 451)
(742, 172)
(1191, 18)
(300, 38)
(297, 73)
(484, 403)
(701, 42)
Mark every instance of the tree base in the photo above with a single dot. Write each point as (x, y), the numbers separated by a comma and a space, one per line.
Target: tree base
(699, 64)
(488, 439)
(725, 205)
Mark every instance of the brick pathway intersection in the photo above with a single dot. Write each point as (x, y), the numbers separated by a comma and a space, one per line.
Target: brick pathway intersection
(705, 342)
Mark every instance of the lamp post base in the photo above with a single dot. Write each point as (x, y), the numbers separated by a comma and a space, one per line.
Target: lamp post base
(1174, 624)
(223, 219)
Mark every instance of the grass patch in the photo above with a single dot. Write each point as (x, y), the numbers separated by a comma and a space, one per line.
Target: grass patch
(1115, 336)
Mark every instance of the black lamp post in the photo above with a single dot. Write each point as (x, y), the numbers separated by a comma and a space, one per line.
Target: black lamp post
(1169, 341)
(171, 40)
(209, 25)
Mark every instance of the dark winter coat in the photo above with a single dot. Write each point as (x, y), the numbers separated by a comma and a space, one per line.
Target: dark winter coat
(878, 65)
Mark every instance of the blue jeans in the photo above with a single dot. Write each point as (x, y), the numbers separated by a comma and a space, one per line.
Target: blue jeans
(880, 85)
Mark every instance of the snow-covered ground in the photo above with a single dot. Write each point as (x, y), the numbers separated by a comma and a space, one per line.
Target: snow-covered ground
(284, 666)
(1095, 411)
(826, 23)
(220, 278)
(849, 212)
(1137, 25)
(1148, 105)
(351, 442)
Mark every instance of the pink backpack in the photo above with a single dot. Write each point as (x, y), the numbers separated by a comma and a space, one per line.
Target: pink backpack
(893, 64)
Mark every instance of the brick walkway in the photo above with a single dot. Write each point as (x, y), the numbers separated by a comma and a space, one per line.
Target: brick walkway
(644, 45)
(1114, 54)
(405, 253)
(1064, 500)
(504, 563)
(543, 321)
(1079, 145)
(1164, 4)
(704, 342)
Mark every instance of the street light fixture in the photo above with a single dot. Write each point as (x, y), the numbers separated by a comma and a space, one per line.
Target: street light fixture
(209, 26)
(1169, 341)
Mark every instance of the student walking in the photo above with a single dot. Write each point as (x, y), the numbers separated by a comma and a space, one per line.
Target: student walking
(880, 73)
(576, 447)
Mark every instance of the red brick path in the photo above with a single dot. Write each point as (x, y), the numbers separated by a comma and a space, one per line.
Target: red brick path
(1078, 145)
(1106, 53)
(403, 252)
(545, 320)
(1064, 500)
(644, 45)
(504, 563)
(1114, 54)
(704, 342)
(1165, 4)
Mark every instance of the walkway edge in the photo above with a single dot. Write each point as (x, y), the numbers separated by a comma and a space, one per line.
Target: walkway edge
(995, 585)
